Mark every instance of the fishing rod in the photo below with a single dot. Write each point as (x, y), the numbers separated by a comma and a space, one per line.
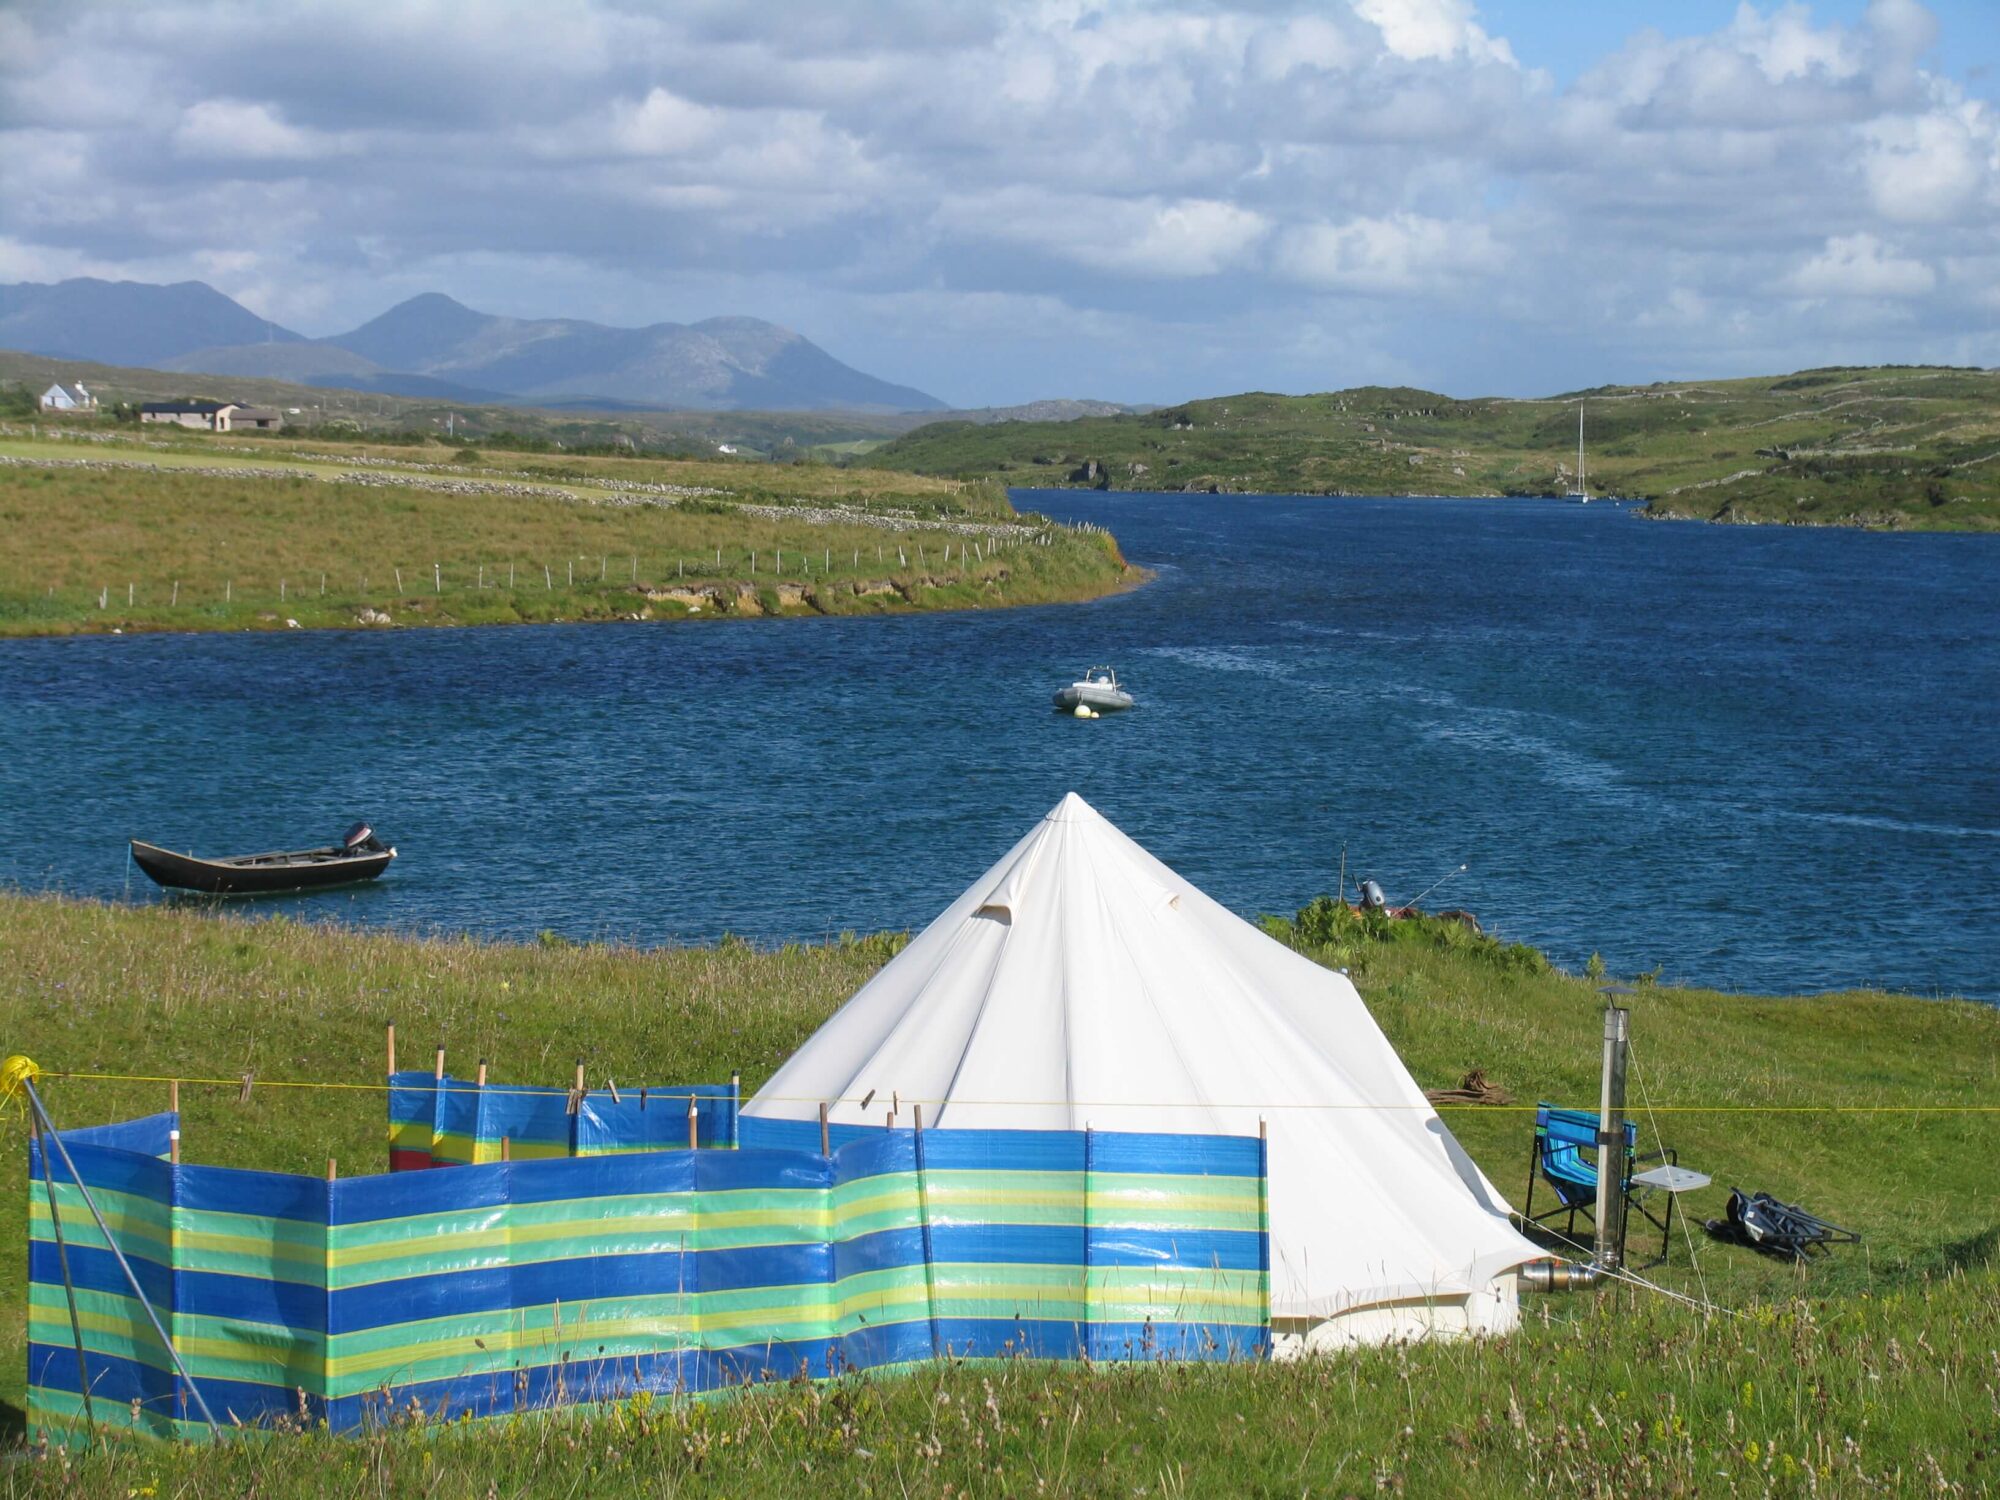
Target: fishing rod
(1448, 875)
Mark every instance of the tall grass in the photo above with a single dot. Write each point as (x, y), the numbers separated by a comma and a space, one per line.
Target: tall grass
(1620, 1396)
(1875, 1371)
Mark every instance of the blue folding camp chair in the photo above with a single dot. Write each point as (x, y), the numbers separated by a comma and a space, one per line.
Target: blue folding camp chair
(1565, 1156)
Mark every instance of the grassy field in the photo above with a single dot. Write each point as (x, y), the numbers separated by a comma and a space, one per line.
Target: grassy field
(1876, 1371)
(190, 532)
(1900, 448)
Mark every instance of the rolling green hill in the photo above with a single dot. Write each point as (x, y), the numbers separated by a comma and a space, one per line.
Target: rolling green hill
(1893, 447)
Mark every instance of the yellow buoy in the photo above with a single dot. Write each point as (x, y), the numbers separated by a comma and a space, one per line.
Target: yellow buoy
(1082, 711)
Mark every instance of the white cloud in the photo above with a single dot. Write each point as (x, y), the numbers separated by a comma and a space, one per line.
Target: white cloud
(1787, 45)
(1859, 265)
(244, 130)
(1179, 170)
(661, 124)
(1929, 168)
(1147, 237)
(1423, 30)
(1403, 253)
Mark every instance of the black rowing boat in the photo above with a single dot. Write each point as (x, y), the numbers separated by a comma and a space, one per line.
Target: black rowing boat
(358, 856)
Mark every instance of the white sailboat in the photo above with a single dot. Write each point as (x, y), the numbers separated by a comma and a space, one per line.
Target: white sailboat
(1580, 493)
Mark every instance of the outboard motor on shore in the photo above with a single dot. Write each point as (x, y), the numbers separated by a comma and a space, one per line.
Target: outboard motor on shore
(360, 836)
(1372, 898)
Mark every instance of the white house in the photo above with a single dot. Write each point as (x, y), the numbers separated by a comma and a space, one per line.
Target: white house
(73, 396)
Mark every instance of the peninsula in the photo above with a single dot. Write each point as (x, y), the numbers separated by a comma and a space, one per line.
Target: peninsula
(117, 529)
(1891, 447)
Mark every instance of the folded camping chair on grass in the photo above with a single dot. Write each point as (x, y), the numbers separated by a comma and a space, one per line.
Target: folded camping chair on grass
(1782, 1229)
(1565, 1156)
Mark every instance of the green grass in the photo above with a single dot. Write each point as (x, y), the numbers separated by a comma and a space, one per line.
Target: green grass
(1876, 1369)
(1903, 448)
(1623, 1397)
(201, 534)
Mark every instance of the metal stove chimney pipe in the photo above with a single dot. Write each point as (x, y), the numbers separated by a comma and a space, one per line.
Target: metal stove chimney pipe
(1610, 1245)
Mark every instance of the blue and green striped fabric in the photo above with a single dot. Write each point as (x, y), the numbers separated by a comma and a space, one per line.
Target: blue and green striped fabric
(506, 1287)
(443, 1122)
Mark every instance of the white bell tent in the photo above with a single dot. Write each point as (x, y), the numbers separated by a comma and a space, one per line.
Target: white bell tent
(1081, 983)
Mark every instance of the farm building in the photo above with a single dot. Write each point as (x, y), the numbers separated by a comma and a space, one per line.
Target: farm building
(214, 416)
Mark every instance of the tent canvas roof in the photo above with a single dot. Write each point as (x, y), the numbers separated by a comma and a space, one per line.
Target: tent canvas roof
(1081, 983)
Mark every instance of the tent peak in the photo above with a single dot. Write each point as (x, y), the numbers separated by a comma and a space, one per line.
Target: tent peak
(1073, 809)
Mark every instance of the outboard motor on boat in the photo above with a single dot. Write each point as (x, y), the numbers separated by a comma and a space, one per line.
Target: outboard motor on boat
(1372, 898)
(359, 837)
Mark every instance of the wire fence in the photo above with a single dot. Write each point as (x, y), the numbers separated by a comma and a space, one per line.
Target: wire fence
(883, 564)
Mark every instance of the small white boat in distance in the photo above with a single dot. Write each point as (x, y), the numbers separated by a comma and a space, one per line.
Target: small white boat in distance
(1098, 688)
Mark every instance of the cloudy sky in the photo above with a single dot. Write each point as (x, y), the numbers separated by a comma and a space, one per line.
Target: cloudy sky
(999, 202)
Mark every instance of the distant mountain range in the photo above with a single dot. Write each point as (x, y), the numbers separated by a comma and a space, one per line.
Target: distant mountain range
(432, 346)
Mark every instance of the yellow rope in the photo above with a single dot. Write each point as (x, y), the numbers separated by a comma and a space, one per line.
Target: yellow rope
(15, 1073)
(666, 1091)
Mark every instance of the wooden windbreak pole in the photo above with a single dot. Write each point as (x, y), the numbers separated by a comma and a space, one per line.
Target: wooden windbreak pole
(438, 1072)
(174, 1135)
(825, 1146)
(506, 1148)
(392, 1049)
(694, 1126)
(332, 1169)
(482, 1072)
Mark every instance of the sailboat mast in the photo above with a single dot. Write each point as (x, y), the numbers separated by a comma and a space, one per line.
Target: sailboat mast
(1582, 487)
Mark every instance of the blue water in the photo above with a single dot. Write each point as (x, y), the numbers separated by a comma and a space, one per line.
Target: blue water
(1763, 759)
